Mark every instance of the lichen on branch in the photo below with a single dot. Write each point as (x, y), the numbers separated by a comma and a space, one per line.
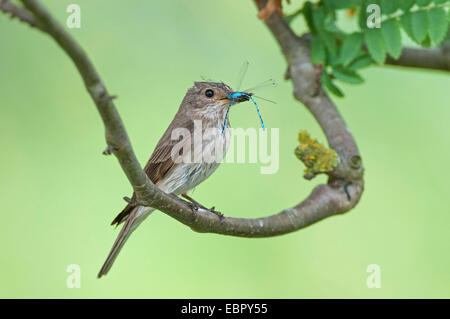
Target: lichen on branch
(316, 157)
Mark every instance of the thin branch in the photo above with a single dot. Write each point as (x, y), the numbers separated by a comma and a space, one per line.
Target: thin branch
(16, 12)
(434, 59)
(324, 201)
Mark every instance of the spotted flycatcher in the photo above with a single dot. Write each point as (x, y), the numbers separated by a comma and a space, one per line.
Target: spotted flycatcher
(182, 159)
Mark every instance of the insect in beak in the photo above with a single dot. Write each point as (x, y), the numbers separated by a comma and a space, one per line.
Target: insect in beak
(238, 97)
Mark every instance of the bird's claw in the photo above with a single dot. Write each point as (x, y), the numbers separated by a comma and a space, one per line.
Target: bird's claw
(217, 213)
(194, 208)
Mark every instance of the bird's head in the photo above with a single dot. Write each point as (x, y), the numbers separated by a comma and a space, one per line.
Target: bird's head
(211, 97)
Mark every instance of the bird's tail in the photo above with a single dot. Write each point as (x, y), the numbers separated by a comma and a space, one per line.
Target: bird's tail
(136, 217)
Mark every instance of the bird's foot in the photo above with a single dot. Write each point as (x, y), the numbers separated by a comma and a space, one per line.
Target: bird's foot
(217, 213)
(194, 208)
(196, 205)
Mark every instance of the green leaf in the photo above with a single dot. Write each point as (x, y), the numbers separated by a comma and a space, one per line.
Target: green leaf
(330, 85)
(348, 76)
(318, 17)
(427, 42)
(392, 37)
(363, 14)
(330, 22)
(375, 45)
(317, 51)
(342, 4)
(360, 63)
(330, 42)
(350, 47)
(438, 25)
(327, 6)
(423, 3)
(307, 14)
(419, 20)
(440, 1)
(406, 21)
(361, 54)
(406, 4)
(388, 6)
(333, 59)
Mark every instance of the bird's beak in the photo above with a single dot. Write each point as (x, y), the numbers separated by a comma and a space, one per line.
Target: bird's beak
(237, 98)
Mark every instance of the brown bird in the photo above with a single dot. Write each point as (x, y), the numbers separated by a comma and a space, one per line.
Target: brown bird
(182, 159)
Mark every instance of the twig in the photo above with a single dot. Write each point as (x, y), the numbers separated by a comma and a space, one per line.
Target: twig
(17, 12)
(430, 59)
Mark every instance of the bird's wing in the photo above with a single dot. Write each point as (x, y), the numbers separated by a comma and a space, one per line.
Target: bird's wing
(160, 162)
(162, 159)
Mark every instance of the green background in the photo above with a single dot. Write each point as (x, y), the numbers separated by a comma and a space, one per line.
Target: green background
(58, 194)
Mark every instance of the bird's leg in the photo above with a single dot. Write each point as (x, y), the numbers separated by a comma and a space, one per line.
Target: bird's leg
(193, 201)
(193, 206)
(198, 205)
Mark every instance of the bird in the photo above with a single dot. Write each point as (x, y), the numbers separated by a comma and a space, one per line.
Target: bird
(180, 160)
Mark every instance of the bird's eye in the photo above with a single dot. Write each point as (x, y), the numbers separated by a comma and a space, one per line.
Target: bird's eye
(209, 93)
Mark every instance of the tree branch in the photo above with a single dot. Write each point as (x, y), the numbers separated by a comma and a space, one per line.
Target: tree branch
(435, 59)
(340, 195)
(348, 175)
(16, 12)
